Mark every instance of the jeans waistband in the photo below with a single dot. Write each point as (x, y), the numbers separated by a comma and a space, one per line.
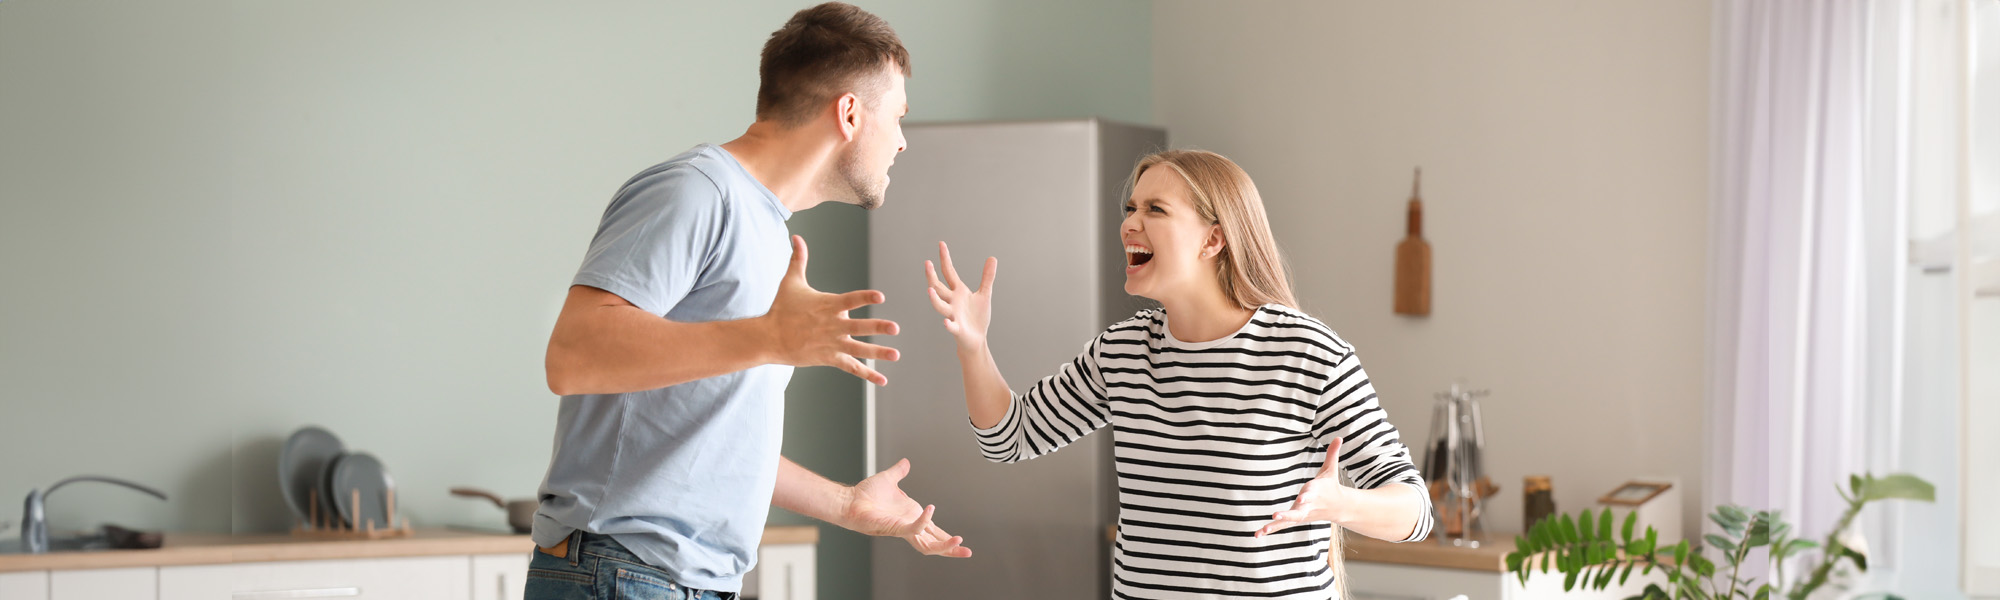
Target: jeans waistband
(605, 545)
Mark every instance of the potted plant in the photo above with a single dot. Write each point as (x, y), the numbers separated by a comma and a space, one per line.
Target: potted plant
(1585, 552)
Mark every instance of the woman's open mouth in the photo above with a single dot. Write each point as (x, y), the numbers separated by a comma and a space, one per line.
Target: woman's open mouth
(1136, 257)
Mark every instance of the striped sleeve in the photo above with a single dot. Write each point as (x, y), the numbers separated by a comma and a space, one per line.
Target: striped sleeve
(1372, 453)
(1057, 410)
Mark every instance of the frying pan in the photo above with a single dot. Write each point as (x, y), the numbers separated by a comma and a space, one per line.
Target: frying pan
(520, 513)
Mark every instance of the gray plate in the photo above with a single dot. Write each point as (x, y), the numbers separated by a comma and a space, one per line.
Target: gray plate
(304, 458)
(360, 471)
(327, 508)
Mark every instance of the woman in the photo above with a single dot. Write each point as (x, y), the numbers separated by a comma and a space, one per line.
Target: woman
(1227, 418)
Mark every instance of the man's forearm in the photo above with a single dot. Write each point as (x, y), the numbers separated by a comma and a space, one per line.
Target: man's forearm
(606, 346)
(807, 493)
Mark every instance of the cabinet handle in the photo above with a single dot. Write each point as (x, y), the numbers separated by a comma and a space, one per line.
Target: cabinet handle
(318, 593)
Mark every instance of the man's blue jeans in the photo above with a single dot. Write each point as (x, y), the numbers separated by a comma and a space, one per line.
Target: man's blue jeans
(599, 568)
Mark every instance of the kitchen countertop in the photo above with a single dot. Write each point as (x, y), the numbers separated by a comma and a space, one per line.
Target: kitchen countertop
(1490, 556)
(221, 548)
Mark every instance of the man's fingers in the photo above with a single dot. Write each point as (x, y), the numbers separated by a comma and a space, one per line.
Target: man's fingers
(986, 281)
(950, 272)
(866, 327)
(922, 523)
(855, 368)
(864, 350)
(896, 472)
(798, 267)
(857, 299)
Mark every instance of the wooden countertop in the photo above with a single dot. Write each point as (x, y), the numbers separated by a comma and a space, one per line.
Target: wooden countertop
(1490, 556)
(220, 548)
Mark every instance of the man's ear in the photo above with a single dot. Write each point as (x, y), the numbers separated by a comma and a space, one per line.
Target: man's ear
(847, 111)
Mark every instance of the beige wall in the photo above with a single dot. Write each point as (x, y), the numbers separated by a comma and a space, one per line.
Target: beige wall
(1566, 167)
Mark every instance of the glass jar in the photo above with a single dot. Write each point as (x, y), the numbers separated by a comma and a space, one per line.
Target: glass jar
(1538, 500)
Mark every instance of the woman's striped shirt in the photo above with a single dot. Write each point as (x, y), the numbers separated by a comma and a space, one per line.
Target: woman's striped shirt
(1209, 439)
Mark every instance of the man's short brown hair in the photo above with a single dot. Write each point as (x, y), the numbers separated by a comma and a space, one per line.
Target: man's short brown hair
(823, 52)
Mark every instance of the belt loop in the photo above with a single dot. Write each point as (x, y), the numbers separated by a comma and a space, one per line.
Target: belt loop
(575, 546)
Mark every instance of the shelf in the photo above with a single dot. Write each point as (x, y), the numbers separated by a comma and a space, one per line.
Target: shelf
(1935, 254)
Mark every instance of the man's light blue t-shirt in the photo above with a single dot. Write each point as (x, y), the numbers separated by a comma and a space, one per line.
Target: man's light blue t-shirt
(680, 475)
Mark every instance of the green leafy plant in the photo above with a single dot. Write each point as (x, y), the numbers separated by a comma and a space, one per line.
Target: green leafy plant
(1585, 551)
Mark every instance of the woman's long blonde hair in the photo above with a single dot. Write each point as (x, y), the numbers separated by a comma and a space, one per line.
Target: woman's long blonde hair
(1250, 269)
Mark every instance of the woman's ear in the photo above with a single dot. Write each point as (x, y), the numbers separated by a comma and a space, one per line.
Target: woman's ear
(1215, 243)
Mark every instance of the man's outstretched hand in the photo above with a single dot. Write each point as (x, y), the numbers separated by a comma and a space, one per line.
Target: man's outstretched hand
(810, 328)
(876, 506)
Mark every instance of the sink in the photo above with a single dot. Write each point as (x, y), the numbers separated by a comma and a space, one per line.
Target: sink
(85, 543)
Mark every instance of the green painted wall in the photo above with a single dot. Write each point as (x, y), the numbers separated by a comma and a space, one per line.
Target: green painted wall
(221, 220)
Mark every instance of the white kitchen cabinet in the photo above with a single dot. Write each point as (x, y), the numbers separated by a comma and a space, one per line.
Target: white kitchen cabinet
(417, 578)
(1381, 581)
(786, 572)
(104, 584)
(31, 585)
(500, 576)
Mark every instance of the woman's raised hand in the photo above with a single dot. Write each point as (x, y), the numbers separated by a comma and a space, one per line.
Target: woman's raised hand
(966, 312)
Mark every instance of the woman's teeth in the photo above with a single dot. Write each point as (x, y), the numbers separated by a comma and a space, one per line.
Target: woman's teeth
(1136, 255)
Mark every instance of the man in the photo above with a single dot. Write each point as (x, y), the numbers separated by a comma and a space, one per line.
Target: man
(681, 329)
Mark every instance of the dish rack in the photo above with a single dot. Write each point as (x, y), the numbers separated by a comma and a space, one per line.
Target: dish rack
(324, 526)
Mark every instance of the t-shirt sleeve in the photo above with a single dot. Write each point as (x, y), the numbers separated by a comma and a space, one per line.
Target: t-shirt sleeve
(655, 239)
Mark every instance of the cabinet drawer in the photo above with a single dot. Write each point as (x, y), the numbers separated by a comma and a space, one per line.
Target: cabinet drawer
(422, 578)
(27, 585)
(500, 576)
(105, 584)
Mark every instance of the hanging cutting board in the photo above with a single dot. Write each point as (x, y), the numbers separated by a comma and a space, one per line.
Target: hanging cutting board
(1413, 259)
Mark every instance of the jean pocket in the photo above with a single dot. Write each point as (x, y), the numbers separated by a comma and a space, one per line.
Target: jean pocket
(634, 584)
(551, 578)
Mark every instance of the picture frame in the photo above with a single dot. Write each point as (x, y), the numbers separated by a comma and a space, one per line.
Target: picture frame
(1634, 493)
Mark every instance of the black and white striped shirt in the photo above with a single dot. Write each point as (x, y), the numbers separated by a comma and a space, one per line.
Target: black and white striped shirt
(1209, 439)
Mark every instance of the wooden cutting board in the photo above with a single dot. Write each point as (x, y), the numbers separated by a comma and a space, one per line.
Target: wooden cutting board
(1413, 259)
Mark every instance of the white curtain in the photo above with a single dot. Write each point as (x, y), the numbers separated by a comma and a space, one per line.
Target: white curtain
(1792, 234)
(1823, 123)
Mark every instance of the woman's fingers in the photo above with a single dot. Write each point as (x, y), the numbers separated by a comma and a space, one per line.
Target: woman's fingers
(986, 281)
(950, 272)
(1275, 526)
(938, 303)
(930, 273)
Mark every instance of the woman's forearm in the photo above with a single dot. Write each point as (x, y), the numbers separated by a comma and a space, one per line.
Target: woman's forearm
(986, 392)
(1391, 512)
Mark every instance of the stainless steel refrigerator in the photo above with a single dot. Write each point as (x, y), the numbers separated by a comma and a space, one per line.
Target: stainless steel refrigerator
(1045, 197)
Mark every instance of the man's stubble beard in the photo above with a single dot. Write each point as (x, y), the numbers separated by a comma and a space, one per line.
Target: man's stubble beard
(855, 184)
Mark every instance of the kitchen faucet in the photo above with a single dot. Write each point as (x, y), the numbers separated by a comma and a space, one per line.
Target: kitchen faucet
(34, 520)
